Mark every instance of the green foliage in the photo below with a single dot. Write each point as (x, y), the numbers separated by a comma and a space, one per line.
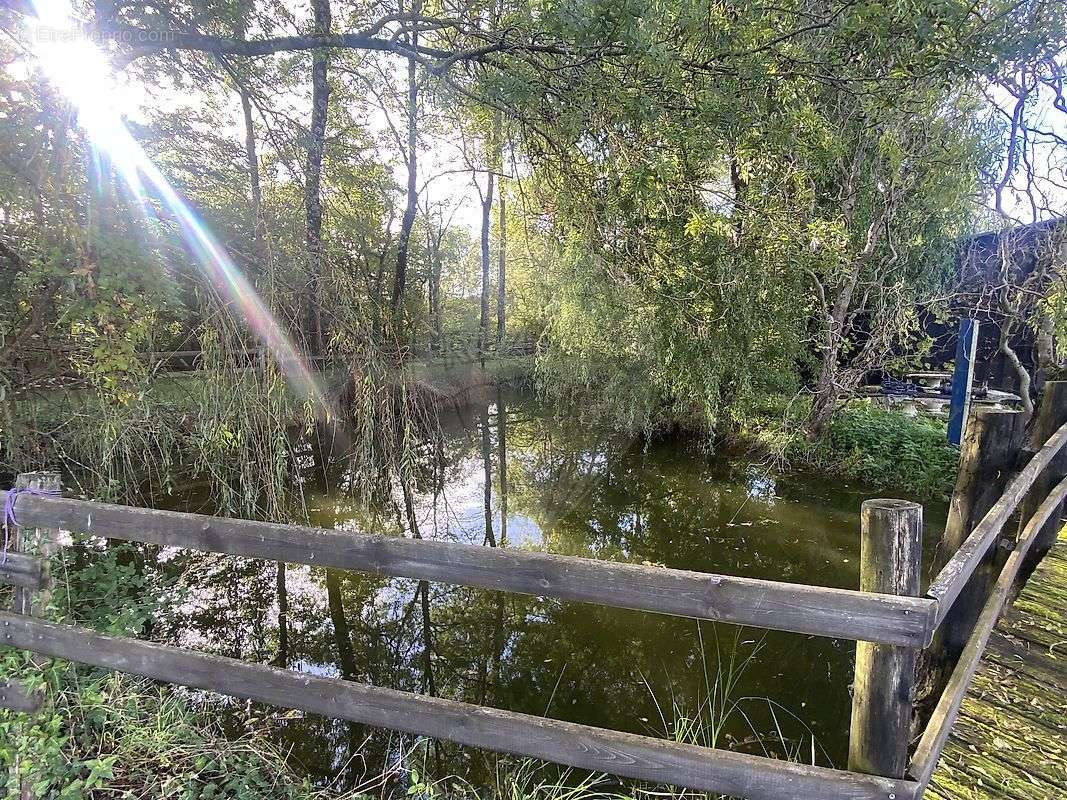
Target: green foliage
(712, 205)
(732, 221)
(116, 736)
(885, 449)
(111, 450)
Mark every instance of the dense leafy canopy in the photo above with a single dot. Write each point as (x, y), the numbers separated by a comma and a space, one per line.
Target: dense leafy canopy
(707, 205)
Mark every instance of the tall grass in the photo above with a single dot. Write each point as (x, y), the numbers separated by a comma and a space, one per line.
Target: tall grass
(114, 736)
(722, 707)
(703, 722)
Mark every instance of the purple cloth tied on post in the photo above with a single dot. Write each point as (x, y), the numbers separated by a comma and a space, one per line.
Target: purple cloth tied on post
(9, 513)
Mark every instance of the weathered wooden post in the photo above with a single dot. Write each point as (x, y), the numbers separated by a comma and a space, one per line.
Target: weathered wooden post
(41, 543)
(884, 685)
(38, 542)
(1051, 414)
(990, 457)
(30, 597)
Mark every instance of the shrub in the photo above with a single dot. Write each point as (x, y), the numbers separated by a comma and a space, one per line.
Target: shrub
(886, 449)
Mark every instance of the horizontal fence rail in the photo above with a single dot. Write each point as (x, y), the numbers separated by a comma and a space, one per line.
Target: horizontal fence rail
(820, 611)
(15, 698)
(626, 754)
(948, 584)
(928, 752)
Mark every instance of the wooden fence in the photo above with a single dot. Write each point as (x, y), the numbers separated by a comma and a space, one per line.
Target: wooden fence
(888, 617)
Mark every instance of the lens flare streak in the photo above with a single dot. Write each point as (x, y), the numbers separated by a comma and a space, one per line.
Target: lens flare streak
(80, 70)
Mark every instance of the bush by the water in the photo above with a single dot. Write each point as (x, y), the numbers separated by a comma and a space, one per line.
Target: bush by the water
(887, 449)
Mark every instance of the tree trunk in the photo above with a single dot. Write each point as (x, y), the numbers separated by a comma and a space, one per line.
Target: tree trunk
(501, 266)
(320, 97)
(260, 251)
(487, 469)
(492, 164)
(1020, 371)
(436, 334)
(483, 322)
(823, 395)
(39, 316)
(253, 170)
(42, 312)
(830, 384)
(1045, 346)
(434, 289)
(738, 183)
(408, 221)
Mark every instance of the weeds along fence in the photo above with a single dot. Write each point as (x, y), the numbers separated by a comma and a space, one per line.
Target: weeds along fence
(888, 616)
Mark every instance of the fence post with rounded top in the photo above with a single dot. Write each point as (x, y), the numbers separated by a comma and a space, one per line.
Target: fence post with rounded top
(884, 685)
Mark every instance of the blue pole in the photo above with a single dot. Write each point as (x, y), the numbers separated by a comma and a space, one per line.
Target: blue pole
(962, 377)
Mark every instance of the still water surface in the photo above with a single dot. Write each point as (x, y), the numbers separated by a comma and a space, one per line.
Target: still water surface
(511, 475)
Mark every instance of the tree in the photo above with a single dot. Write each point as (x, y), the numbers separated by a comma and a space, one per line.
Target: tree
(1014, 274)
(487, 224)
(411, 155)
(501, 268)
(438, 225)
(762, 206)
(320, 103)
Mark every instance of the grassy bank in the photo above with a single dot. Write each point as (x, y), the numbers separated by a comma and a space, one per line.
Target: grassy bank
(111, 736)
(863, 443)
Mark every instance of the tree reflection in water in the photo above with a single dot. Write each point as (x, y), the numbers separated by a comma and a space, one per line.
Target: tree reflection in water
(566, 489)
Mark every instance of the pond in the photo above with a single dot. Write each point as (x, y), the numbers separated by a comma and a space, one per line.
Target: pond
(511, 475)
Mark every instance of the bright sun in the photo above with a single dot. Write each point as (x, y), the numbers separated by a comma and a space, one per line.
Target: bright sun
(77, 67)
(66, 52)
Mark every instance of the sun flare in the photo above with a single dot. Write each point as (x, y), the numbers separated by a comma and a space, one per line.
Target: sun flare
(77, 67)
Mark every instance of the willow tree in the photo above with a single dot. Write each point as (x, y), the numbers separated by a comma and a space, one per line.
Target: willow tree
(757, 200)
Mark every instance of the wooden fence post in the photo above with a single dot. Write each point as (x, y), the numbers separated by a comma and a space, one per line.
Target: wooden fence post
(1051, 414)
(884, 685)
(41, 543)
(990, 457)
